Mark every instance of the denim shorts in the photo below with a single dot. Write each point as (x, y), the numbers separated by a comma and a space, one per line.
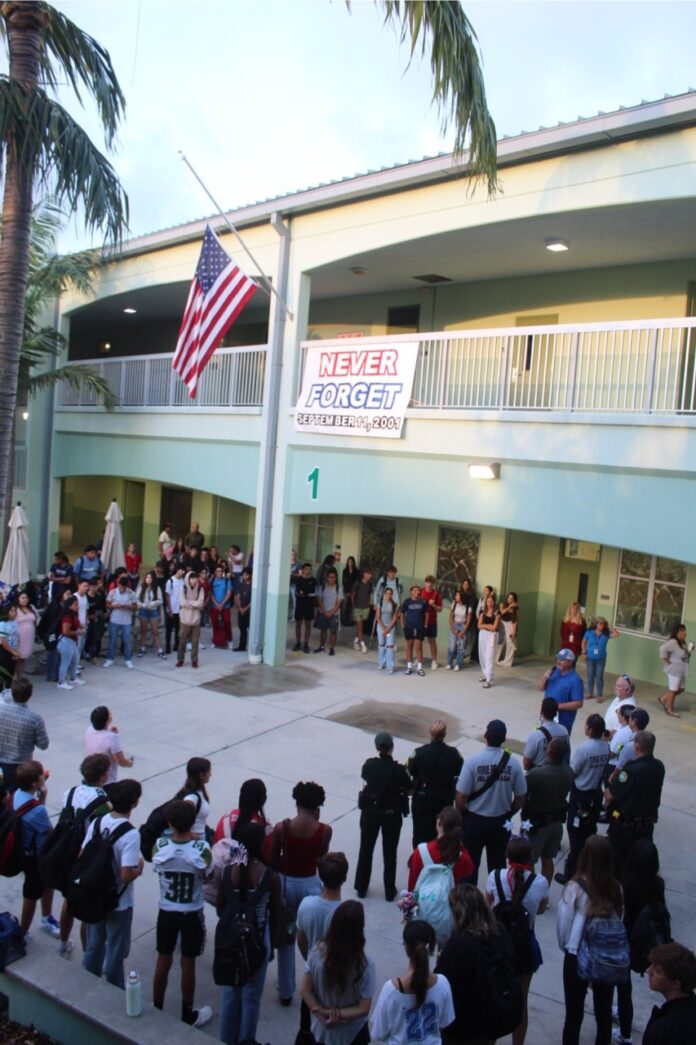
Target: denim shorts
(148, 614)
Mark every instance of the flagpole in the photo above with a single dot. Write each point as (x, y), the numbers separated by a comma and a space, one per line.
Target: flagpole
(267, 284)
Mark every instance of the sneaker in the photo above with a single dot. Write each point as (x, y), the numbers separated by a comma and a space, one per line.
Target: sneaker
(202, 1016)
(64, 685)
(50, 925)
(179, 663)
(129, 663)
(194, 663)
(202, 645)
(305, 648)
(107, 663)
(297, 647)
(320, 649)
(390, 672)
(420, 672)
(230, 645)
(486, 685)
(363, 647)
(141, 652)
(188, 646)
(619, 1040)
(433, 665)
(615, 1014)
(482, 678)
(162, 655)
(78, 670)
(408, 671)
(78, 682)
(356, 643)
(455, 668)
(65, 949)
(448, 667)
(332, 651)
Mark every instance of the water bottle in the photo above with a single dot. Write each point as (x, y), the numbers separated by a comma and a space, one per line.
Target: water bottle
(134, 995)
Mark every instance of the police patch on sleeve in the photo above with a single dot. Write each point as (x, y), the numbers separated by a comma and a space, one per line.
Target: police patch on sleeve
(623, 777)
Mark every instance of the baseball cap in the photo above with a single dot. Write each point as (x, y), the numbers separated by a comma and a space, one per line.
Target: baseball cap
(565, 654)
(496, 731)
(640, 717)
(384, 740)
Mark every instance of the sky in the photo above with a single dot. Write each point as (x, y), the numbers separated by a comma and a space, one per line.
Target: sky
(269, 96)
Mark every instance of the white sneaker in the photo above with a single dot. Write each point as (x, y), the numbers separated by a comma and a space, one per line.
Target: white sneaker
(129, 663)
(356, 644)
(78, 682)
(202, 645)
(107, 663)
(433, 665)
(363, 647)
(64, 685)
(203, 1016)
(486, 685)
(188, 645)
(65, 949)
(230, 645)
(50, 925)
(448, 667)
(456, 667)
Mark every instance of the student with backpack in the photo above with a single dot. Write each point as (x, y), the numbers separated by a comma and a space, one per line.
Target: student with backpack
(32, 827)
(434, 868)
(249, 903)
(591, 934)
(115, 852)
(414, 1006)
(516, 896)
(182, 862)
(647, 923)
(478, 963)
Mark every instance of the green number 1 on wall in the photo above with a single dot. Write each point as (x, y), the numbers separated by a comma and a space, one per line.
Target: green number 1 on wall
(313, 478)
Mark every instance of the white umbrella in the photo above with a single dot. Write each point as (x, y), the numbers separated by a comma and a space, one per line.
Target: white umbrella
(113, 554)
(15, 566)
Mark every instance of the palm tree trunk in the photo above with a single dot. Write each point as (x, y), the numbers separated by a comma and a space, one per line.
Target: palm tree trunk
(24, 22)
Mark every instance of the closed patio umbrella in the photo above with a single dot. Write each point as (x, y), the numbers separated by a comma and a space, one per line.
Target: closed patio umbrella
(113, 554)
(15, 566)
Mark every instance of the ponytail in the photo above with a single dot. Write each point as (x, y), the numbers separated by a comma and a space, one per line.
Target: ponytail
(419, 941)
(450, 841)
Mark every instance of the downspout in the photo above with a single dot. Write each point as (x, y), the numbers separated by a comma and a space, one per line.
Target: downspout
(274, 363)
(49, 417)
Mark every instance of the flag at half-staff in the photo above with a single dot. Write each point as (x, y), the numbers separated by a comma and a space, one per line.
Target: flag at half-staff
(219, 292)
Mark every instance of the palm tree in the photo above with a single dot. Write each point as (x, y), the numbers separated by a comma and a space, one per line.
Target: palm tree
(41, 144)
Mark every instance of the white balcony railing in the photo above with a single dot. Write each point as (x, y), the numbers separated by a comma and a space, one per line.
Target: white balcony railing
(232, 379)
(643, 367)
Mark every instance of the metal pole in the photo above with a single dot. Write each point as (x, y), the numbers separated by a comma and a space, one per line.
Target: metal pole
(269, 286)
(271, 406)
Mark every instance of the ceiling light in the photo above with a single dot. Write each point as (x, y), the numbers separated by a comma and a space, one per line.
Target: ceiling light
(432, 277)
(130, 311)
(357, 270)
(25, 415)
(557, 245)
(103, 347)
(484, 471)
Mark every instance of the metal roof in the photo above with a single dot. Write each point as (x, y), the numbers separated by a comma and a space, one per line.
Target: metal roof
(649, 117)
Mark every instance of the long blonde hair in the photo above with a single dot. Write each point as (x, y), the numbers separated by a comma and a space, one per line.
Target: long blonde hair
(573, 613)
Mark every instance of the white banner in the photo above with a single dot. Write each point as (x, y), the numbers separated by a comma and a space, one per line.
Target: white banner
(356, 390)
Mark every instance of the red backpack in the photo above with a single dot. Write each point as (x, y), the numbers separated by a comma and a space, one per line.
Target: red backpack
(11, 848)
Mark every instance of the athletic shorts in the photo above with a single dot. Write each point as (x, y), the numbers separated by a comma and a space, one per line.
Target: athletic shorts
(305, 610)
(34, 887)
(413, 633)
(361, 614)
(326, 623)
(430, 631)
(675, 683)
(546, 842)
(191, 925)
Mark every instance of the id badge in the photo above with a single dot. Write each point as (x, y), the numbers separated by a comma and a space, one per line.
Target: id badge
(595, 651)
(576, 821)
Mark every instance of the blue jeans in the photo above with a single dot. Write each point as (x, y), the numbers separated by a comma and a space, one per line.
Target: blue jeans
(295, 891)
(125, 631)
(52, 662)
(69, 658)
(595, 676)
(108, 945)
(240, 1006)
(455, 650)
(385, 648)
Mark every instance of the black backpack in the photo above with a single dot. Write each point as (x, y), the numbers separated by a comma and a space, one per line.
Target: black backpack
(93, 890)
(515, 919)
(157, 823)
(652, 927)
(62, 847)
(11, 848)
(240, 947)
(500, 987)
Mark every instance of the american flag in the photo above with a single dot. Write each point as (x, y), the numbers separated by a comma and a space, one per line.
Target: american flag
(219, 292)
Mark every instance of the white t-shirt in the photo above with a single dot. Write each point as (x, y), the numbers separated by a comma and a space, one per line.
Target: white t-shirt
(84, 795)
(82, 607)
(622, 737)
(396, 1020)
(126, 852)
(313, 917)
(610, 718)
(182, 868)
(173, 588)
(104, 742)
(166, 540)
(538, 891)
(194, 797)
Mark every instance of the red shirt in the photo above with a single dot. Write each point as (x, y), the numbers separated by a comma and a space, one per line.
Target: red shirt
(133, 563)
(73, 622)
(462, 869)
(226, 824)
(431, 612)
(572, 634)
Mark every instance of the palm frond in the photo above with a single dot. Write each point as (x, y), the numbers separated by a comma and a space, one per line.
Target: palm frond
(78, 377)
(41, 345)
(50, 144)
(458, 87)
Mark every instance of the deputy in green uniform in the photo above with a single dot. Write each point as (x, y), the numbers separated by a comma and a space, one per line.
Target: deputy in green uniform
(633, 799)
(434, 769)
(383, 803)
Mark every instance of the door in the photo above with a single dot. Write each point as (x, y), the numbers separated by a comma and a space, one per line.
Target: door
(134, 502)
(176, 506)
(577, 582)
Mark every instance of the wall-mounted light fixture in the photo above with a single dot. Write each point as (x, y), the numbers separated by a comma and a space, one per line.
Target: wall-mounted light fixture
(557, 245)
(25, 415)
(130, 311)
(103, 347)
(484, 471)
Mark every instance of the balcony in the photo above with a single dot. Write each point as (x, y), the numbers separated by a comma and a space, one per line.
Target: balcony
(232, 381)
(632, 368)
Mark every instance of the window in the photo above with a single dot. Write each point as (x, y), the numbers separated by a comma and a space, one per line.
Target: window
(457, 558)
(377, 545)
(316, 538)
(403, 319)
(651, 593)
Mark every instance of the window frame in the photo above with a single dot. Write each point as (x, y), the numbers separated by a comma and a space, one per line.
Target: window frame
(651, 579)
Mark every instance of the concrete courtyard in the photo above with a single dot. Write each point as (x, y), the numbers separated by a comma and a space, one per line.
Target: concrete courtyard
(315, 719)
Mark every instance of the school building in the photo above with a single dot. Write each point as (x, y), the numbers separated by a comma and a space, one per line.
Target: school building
(553, 346)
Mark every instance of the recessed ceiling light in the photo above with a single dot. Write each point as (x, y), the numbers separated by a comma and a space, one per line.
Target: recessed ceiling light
(484, 471)
(557, 245)
(130, 311)
(358, 270)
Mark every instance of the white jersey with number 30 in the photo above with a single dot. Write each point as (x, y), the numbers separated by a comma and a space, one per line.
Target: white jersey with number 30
(182, 868)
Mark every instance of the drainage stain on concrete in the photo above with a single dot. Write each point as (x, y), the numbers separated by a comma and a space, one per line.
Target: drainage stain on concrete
(259, 680)
(401, 720)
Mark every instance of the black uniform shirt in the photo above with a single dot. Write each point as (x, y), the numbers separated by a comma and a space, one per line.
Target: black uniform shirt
(637, 790)
(434, 768)
(386, 782)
